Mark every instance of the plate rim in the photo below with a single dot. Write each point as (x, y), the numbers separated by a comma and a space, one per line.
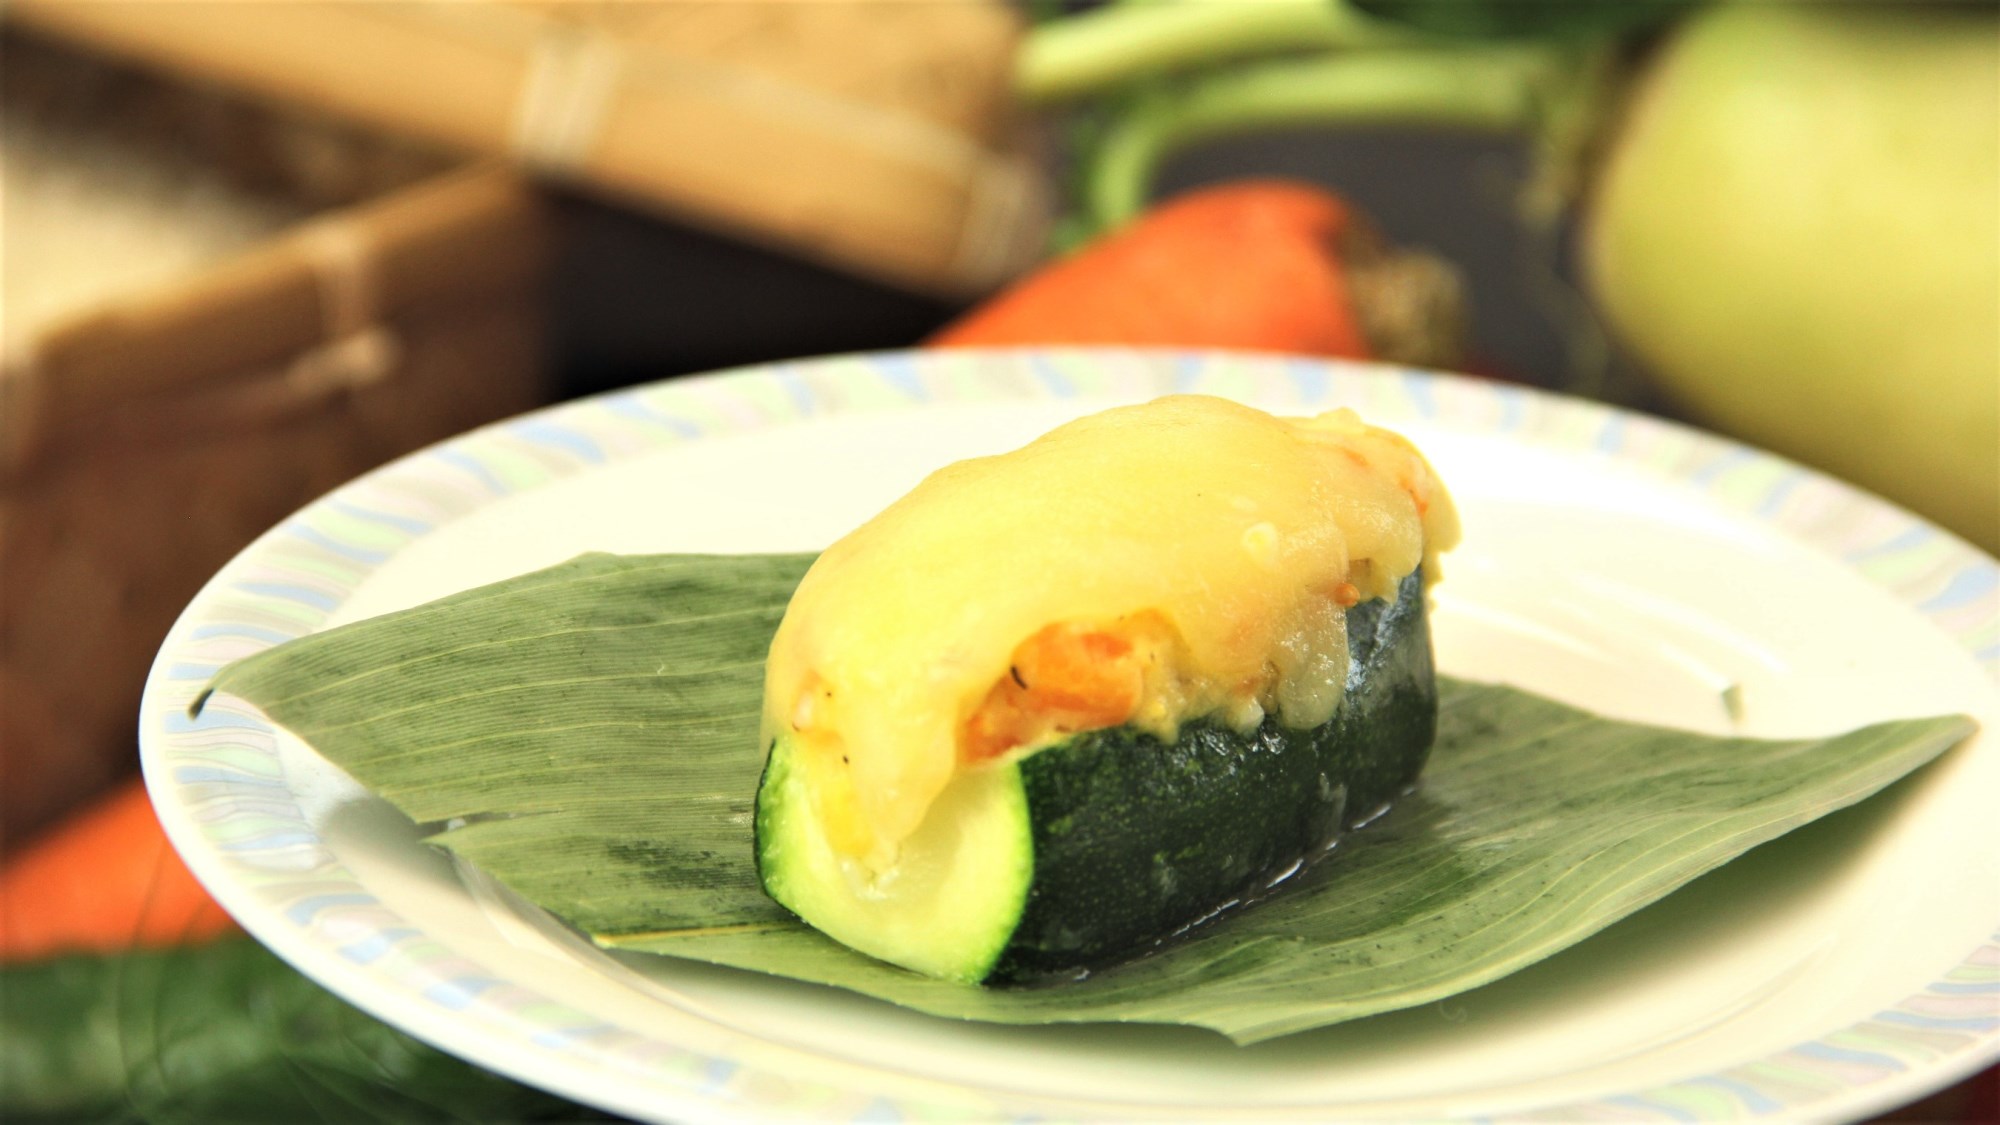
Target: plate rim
(194, 807)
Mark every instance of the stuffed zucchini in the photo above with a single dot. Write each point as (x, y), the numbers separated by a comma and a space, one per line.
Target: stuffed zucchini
(1056, 705)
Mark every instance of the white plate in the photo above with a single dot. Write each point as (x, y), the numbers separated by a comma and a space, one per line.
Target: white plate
(1628, 565)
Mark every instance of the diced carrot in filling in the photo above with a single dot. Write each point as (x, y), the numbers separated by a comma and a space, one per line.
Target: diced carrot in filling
(1064, 679)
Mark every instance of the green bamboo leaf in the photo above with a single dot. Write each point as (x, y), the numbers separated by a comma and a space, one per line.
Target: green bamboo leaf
(589, 734)
(226, 1033)
(541, 719)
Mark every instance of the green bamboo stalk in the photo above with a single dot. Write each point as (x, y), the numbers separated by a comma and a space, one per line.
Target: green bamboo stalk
(1095, 51)
(1490, 89)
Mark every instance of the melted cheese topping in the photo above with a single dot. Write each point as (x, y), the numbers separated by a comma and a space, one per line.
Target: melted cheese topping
(1209, 547)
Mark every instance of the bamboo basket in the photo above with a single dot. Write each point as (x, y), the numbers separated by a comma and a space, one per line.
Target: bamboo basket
(875, 137)
(147, 436)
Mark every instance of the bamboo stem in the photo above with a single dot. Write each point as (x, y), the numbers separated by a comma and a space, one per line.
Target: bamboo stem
(1094, 51)
(1490, 89)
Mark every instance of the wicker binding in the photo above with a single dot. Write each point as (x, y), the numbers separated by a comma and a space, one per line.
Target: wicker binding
(143, 442)
(875, 137)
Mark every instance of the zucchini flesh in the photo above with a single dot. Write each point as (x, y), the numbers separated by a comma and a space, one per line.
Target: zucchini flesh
(1097, 849)
(951, 903)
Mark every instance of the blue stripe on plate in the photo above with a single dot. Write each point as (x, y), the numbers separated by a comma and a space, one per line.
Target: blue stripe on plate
(543, 432)
(458, 458)
(327, 542)
(305, 910)
(304, 595)
(1966, 587)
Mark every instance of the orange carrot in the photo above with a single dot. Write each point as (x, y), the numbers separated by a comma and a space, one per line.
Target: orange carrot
(104, 880)
(1064, 678)
(1265, 265)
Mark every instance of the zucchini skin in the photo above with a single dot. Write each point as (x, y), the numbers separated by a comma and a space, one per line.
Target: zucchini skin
(1136, 839)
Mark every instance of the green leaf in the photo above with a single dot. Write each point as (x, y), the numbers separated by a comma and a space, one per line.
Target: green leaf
(595, 727)
(223, 1033)
(550, 712)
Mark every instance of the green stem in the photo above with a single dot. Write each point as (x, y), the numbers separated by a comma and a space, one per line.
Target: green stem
(1494, 89)
(1093, 51)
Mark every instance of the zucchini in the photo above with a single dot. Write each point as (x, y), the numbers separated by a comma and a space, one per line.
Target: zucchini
(1098, 848)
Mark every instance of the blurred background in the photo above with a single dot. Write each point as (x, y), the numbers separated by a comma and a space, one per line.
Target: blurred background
(248, 251)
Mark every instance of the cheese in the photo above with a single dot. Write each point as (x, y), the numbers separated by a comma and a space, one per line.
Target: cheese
(1219, 543)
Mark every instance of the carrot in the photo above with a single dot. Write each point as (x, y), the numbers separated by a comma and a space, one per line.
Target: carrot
(1064, 678)
(1262, 265)
(105, 880)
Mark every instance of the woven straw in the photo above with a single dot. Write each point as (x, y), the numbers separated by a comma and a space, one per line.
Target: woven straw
(146, 439)
(876, 137)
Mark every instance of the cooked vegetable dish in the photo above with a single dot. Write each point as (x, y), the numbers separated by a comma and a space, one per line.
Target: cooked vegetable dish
(1056, 705)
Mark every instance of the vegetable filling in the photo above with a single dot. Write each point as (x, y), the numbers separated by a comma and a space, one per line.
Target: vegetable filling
(1064, 679)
